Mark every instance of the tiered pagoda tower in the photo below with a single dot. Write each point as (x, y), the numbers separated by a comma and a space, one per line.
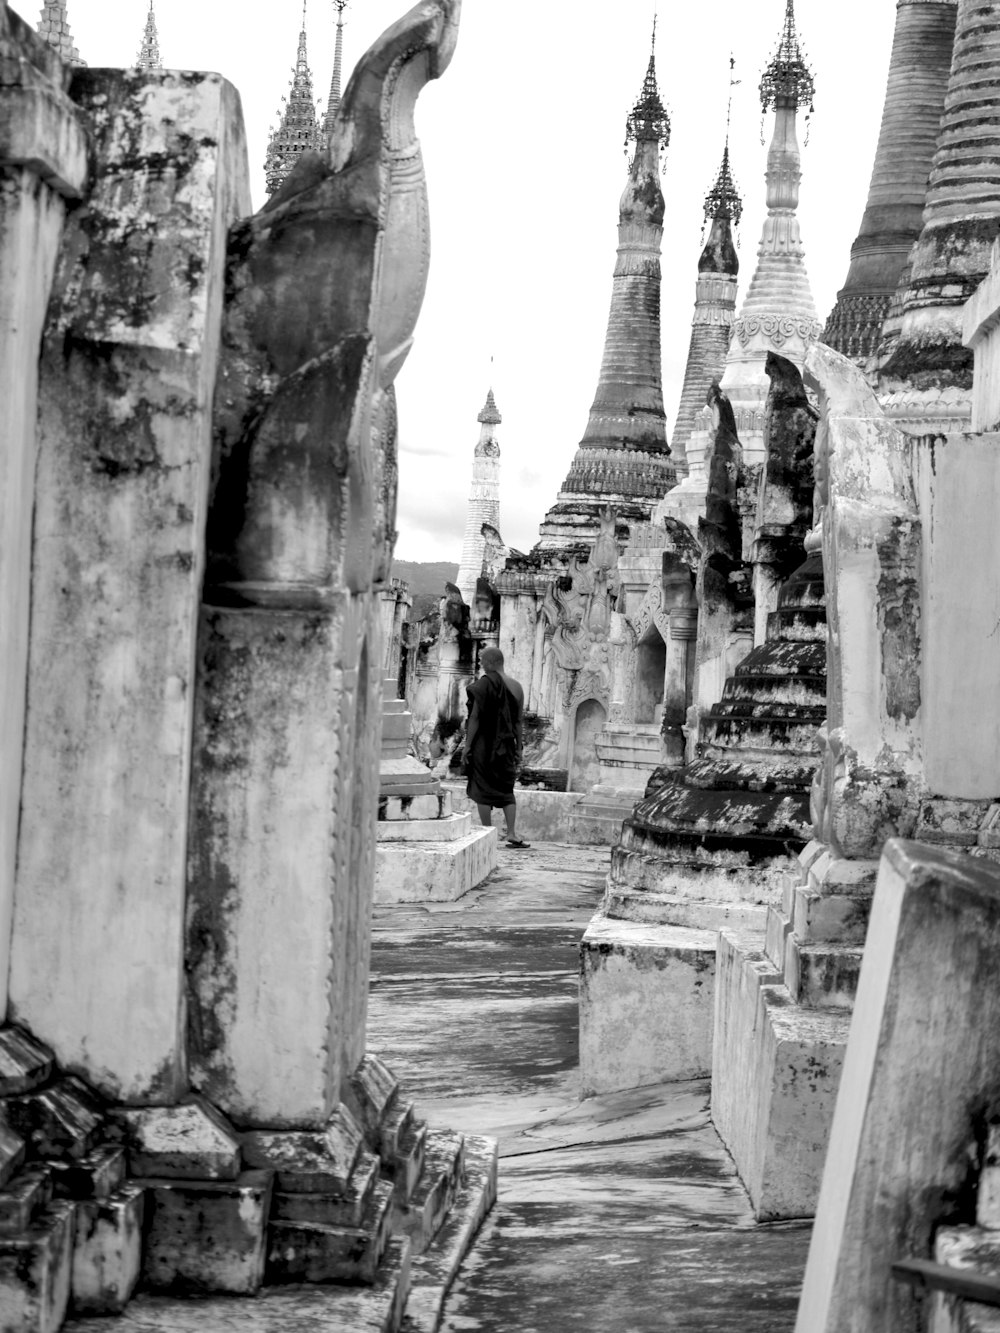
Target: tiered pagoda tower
(779, 313)
(149, 51)
(298, 131)
(53, 27)
(714, 307)
(484, 499)
(338, 60)
(915, 90)
(624, 459)
(925, 379)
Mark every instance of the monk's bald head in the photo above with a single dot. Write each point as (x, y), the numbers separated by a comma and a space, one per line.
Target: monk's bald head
(491, 659)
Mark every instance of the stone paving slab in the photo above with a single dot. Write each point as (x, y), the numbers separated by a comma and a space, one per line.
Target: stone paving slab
(619, 1214)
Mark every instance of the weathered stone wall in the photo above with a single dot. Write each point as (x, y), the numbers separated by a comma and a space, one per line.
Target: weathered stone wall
(124, 438)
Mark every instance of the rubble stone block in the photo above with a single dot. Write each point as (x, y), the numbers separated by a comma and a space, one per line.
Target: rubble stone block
(35, 1272)
(424, 807)
(92, 1177)
(342, 1209)
(392, 809)
(107, 1251)
(444, 807)
(308, 1161)
(24, 1062)
(207, 1235)
(27, 1194)
(193, 1141)
(309, 1252)
(646, 1004)
(60, 1120)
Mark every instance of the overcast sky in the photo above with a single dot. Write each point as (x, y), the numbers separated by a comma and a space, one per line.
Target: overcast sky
(523, 141)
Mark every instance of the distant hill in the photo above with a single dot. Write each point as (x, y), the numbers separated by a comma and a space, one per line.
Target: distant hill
(426, 580)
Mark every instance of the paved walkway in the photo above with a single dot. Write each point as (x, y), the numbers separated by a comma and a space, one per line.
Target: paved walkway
(620, 1214)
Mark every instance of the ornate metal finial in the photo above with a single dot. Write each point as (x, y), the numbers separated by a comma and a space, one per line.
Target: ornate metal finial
(648, 119)
(723, 199)
(787, 76)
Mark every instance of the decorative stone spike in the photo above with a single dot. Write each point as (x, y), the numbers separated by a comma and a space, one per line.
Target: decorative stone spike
(307, 1252)
(35, 1272)
(25, 1195)
(307, 1162)
(189, 1142)
(92, 1177)
(107, 1251)
(61, 1120)
(207, 1235)
(24, 1062)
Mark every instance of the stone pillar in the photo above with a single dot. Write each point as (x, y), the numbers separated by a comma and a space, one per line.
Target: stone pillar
(127, 377)
(43, 163)
(285, 797)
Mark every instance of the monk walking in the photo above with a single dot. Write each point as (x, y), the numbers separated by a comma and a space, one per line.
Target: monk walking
(494, 740)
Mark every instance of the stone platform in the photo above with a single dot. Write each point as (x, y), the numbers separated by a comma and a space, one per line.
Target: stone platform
(583, 818)
(411, 870)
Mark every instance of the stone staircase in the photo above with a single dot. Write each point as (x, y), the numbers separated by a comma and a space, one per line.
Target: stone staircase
(148, 1214)
(709, 847)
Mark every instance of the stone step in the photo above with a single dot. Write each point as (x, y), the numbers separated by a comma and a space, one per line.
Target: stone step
(341, 1208)
(726, 880)
(447, 829)
(768, 733)
(107, 1251)
(433, 1272)
(722, 770)
(313, 1252)
(822, 976)
(372, 1089)
(778, 657)
(664, 908)
(719, 818)
(377, 1308)
(799, 691)
(767, 709)
(421, 1217)
(394, 707)
(395, 1125)
(798, 624)
(805, 584)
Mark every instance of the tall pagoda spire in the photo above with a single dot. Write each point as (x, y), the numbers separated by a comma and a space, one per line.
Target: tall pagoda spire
(484, 499)
(778, 313)
(149, 51)
(623, 458)
(714, 303)
(338, 60)
(925, 376)
(53, 27)
(297, 131)
(914, 98)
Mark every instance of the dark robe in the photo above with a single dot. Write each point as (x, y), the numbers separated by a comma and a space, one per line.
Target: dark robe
(492, 758)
